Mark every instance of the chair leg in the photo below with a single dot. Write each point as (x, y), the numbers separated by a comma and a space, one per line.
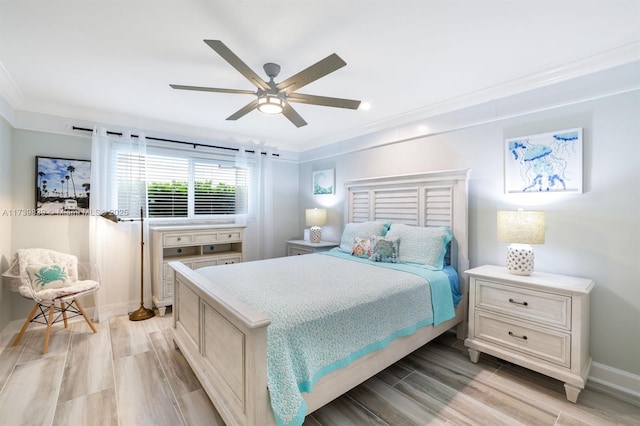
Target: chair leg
(84, 314)
(47, 334)
(64, 314)
(26, 324)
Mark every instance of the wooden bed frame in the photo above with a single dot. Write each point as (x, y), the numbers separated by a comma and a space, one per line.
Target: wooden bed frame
(225, 341)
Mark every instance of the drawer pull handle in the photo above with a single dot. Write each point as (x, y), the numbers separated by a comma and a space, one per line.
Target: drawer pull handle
(517, 337)
(229, 236)
(518, 303)
(179, 238)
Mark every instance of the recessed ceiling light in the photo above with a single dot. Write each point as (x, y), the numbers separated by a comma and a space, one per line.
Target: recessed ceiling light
(364, 106)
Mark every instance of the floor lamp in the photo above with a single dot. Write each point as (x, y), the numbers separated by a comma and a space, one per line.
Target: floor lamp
(141, 313)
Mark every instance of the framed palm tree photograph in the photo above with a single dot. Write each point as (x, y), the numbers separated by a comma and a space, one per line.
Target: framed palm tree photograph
(62, 186)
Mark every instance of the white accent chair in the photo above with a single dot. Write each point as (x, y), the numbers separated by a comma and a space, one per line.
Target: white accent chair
(54, 281)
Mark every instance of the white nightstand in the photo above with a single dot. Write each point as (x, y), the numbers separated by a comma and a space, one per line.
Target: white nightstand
(539, 321)
(297, 247)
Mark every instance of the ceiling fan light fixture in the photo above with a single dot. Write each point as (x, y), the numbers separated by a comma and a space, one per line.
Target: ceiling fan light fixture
(270, 104)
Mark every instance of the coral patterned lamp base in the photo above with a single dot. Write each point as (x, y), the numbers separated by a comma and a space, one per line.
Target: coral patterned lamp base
(520, 259)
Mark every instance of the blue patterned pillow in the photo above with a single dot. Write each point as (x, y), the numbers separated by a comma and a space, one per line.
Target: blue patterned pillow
(384, 249)
(353, 230)
(422, 245)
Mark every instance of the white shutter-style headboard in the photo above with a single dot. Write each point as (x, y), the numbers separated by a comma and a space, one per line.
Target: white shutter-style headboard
(421, 199)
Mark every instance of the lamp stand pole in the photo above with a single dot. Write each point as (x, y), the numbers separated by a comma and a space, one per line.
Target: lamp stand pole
(141, 313)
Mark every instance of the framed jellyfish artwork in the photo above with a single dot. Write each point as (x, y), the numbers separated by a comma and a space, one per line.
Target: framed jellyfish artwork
(544, 163)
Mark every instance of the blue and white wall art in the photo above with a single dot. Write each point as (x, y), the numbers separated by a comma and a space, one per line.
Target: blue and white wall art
(543, 163)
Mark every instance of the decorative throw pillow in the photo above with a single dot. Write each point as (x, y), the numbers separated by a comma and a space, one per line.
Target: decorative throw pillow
(361, 247)
(384, 249)
(44, 277)
(422, 245)
(352, 230)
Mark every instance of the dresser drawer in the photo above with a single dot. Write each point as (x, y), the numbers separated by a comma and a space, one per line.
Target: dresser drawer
(536, 306)
(205, 237)
(230, 235)
(203, 263)
(545, 344)
(228, 260)
(177, 239)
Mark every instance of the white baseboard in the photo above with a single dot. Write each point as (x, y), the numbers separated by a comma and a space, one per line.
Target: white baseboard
(620, 380)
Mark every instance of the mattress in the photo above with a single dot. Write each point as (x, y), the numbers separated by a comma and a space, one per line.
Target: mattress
(327, 310)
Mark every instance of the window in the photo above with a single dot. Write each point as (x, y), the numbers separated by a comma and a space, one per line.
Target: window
(177, 185)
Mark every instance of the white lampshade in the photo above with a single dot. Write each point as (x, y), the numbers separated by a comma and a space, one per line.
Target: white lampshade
(521, 228)
(315, 218)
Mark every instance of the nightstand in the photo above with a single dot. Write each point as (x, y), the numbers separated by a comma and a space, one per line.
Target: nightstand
(297, 247)
(538, 321)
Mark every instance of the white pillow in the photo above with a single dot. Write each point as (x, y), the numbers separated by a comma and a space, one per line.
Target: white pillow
(45, 277)
(363, 229)
(422, 245)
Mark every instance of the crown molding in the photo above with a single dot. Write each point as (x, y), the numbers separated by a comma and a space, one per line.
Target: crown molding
(465, 113)
(612, 58)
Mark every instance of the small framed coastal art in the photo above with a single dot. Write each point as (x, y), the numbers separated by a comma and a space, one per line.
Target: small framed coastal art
(324, 182)
(544, 163)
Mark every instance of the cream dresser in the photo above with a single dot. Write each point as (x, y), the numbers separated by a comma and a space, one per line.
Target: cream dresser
(196, 246)
(539, 321)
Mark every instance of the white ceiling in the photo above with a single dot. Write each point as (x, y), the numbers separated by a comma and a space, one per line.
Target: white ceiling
(112, 61)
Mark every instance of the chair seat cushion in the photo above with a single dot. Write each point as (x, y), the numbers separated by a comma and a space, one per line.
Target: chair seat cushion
(77, 287)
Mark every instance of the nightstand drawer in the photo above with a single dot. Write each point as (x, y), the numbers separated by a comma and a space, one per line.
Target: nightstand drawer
(541, 343)
(295, 251)
(540, 307)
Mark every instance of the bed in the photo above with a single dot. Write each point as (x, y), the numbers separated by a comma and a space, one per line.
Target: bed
(222, 329)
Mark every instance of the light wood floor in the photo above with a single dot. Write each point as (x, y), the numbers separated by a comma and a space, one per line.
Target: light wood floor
(129, 374)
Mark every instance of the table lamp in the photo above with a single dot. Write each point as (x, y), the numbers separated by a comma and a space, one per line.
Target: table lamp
(316, 218)
(520, 228)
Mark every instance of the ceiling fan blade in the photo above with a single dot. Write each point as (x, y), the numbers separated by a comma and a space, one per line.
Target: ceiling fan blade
(293, 116)
(323, 101)
(308, 75)
(237, 63)
(212, 89)
(244, 110)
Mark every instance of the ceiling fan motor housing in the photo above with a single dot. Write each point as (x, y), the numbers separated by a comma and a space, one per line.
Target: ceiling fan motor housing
(271, 69)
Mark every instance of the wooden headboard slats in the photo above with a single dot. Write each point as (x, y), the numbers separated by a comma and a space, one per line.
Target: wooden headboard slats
(420, 199)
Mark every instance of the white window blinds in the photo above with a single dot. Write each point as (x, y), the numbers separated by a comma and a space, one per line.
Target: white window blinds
(179, 185)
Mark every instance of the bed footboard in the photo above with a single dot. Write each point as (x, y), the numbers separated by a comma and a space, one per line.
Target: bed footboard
(225, 342)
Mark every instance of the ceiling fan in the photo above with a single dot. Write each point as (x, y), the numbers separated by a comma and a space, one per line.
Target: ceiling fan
(272, 97)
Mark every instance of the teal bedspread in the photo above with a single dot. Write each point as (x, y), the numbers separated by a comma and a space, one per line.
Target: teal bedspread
(327, 311)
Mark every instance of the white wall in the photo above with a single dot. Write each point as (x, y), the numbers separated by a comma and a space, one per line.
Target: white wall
(69, 234)
(595, 234)
(5, 218)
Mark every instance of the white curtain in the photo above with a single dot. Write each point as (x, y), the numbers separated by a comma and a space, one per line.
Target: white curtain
(259, 218)
(115, 247)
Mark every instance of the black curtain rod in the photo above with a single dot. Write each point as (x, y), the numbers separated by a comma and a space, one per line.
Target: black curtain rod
(193, 144)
